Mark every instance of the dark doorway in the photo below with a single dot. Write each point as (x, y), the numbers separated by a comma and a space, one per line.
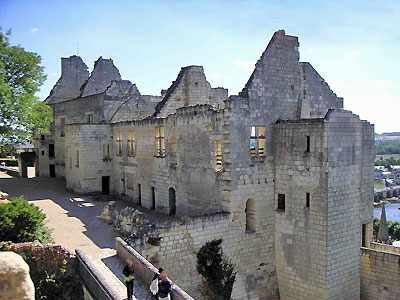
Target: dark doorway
(153, 198)
(172, 202)
(105, 185)
(52, 169)
(51, 150)
(139, 194)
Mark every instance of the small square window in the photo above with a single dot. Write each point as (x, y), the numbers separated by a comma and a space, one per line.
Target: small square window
(281, 201)
(42, 152)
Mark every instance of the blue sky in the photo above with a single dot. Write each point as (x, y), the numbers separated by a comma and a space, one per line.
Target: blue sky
(354, 45)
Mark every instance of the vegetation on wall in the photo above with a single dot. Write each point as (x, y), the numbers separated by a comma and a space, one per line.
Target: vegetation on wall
(393, 228)
(216, 270)
(21, 221)
(53, 272)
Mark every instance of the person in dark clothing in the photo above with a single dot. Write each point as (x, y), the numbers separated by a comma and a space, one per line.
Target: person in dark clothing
(128, 271)
(164, 287)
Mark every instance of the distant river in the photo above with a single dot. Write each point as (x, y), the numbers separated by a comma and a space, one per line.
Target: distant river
(392, 212)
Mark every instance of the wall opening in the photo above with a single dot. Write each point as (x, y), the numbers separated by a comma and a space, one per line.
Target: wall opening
(281, 202)
(119, 143)
(257, 141)
(307, 143)
(153, 198)
(250, 216)
(363, 235)
(52, 170)
(105, 185)
(172, 202)
(77, 159)
(160, 141)
(308, 200)
(218, 154)
(131, 143)
(139, 194)
(51, 150)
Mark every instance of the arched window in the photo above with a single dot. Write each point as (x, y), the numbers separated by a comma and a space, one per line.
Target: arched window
(172, 202)
(250, 216)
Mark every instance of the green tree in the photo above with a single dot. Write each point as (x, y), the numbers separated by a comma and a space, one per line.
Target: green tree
(21, 75)
(217, 272)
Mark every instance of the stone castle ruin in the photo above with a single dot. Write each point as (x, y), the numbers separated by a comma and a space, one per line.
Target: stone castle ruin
(281, 172)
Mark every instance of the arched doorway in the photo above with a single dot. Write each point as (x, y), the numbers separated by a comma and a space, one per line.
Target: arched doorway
(250, 217)
(172, 202)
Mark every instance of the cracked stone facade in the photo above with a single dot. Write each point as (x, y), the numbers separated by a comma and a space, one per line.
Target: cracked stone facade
(282, 171)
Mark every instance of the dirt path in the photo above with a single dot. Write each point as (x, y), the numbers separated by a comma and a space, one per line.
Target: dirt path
(72, 218)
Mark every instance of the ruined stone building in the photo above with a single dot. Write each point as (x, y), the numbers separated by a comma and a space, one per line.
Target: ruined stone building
(280, 171)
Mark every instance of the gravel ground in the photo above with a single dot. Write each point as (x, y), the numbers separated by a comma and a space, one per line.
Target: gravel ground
(73, 220)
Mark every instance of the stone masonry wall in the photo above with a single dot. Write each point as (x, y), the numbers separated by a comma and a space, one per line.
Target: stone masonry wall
(380, 275)
(190, 88)
(316, 95)
(86, 142)
(345, 144)
(181, 240)
(74, 73)
(300, 231)
(188, 165)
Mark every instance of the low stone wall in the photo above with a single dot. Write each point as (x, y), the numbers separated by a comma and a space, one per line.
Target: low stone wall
(143, 269)
(99, 283)
(380, 275)
(385, 248)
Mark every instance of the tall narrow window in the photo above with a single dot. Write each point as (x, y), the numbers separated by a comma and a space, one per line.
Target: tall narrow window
(153, 198)
(106, 151)
(281, 201)
(119, 143)
(131, 143)
(307, 200)
(250, 220)
(62, 125)
(307, 143)
(70, 163)
(257, 141)
(160, 141)
(51, 150)
(218, 154)
(77, 159)
(139, 194)
(363, 235)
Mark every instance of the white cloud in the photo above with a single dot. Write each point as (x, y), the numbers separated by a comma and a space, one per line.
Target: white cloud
(34, 30)
(245, 65)
(55, 74)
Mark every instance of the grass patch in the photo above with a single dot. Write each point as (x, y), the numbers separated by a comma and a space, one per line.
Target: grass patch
(378, 184)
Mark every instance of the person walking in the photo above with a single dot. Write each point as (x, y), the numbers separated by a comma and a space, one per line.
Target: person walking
(154, 283)
(129, 271)
(164, 287)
